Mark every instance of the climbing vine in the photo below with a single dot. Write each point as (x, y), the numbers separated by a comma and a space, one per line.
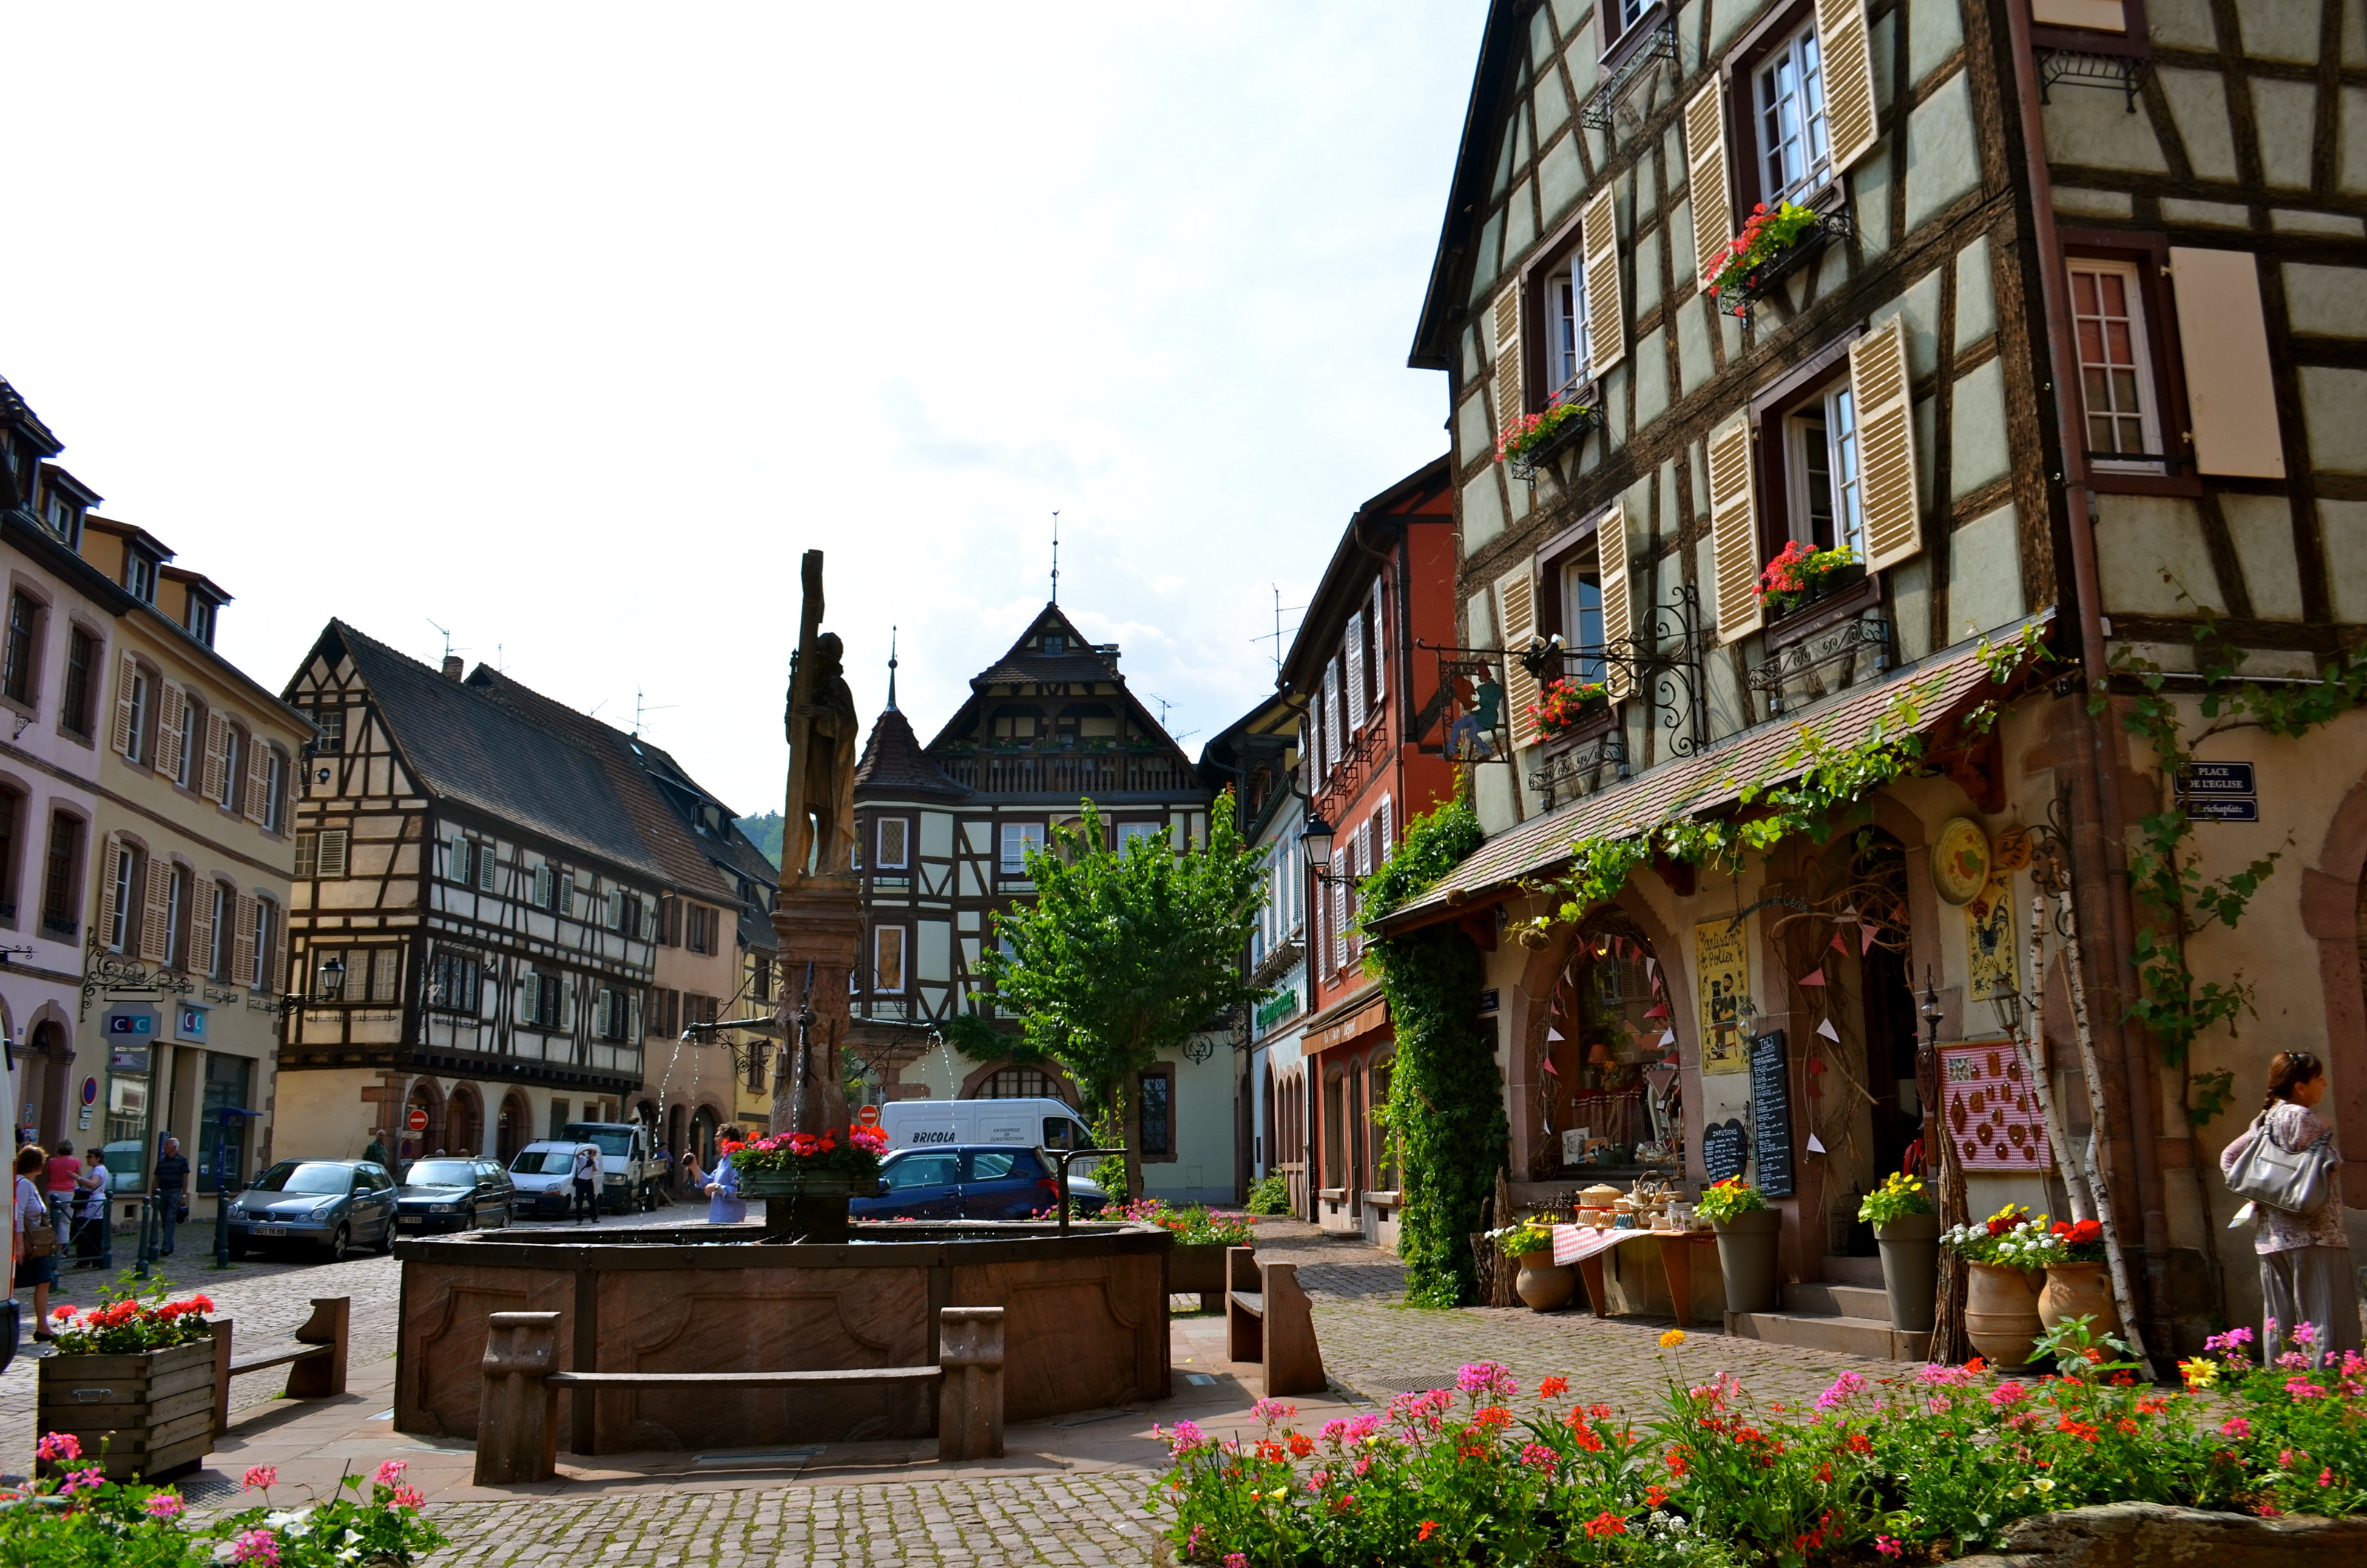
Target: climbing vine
(1446, 1101)
(2171, 1002)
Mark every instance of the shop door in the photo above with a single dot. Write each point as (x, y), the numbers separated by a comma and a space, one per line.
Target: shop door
(1890, 1026)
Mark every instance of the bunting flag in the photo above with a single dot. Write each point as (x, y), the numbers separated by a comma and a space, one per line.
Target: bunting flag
(1866, 935)
(1813, 978)
(1658, 1009)
(1551, 1068)
(1829, 1033)
(1838, 945)
(1815, 1144)
(1652, 968)
(1670, 1038)
(1552, 1033)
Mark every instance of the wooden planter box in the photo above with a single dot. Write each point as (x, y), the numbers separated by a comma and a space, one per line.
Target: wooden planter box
(153, 1413)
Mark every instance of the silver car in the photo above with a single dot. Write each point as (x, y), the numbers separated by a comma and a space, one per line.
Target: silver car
(333, 1204)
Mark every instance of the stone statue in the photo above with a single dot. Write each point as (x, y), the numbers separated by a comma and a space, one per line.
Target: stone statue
(818, 828)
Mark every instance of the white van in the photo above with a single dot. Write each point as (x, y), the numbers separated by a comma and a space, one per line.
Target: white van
(1036, 1123)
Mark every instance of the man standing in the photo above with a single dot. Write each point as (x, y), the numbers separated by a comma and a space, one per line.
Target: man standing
(376, 1153)
(171, 1194)
(98, 1226)
(587, 1183)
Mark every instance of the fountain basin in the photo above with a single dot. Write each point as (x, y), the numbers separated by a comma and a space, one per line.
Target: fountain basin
(1085, 1324)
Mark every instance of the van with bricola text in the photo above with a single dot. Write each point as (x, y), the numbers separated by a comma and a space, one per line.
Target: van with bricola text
(1029, 1124)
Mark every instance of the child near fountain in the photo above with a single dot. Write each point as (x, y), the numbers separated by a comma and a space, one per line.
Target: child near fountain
(724, 1205)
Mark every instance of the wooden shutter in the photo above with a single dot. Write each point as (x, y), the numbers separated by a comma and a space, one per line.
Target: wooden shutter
(1351, 656)
(1382, 816)
(1886, 445)
(202, 928)
(1705, 178)
(334, 842)
(1517, 616)
(1380, 647)
(242, 944)
(214, 783)
(1599, 239)
(172, 711)
(1611, 574)
(1333, 746)
(155, 911)
(127, 674)
(274, 936)
(1510, 398)
(484, 867)
(258, 779)
(2223, 336)
(1734, 533)
(1849, 79)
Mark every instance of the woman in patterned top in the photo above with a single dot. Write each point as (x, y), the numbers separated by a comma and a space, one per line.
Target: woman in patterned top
(2305, 1257)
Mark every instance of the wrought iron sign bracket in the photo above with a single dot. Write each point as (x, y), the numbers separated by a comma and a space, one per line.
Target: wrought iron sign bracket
(1806, 660)
(2125, 74)
(1665, 663)
(1660, 44)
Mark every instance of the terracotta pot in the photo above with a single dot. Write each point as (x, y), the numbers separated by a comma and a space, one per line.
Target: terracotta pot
(1544, 1285)
(1746, 1255)
(2001, 1314)
(1910, 1270)
(2080, 1290)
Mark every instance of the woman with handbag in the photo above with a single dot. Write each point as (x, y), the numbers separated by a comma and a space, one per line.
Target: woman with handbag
(2285, 1163)
(37, 1269)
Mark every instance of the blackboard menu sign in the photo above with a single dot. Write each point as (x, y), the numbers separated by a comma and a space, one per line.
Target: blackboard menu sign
(1724, 1146)
(1770, 1113)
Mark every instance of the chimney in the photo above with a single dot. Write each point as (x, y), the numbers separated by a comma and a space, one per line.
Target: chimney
(451, 667)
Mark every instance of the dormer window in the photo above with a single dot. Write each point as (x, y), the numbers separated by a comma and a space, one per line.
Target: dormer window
(1055, 643)
(64, 517)
(139, 576)
(201, 619)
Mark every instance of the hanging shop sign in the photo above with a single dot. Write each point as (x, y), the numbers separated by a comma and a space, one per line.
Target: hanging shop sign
(1990, 1112)
(1988, 941)
(1725, 1150)
(1722, 961)
(1770, 1112)
(1961, 859)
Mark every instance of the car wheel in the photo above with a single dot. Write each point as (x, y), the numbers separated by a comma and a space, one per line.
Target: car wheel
(385, 1242)
(338, 1245)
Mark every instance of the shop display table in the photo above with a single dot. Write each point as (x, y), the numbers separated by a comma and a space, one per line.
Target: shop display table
(1585, 1247)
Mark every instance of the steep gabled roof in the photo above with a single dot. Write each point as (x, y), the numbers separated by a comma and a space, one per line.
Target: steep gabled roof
(894, 764)
(1026, 661)
(463, 745)
(735, 852)
(14, 406)
(1500, 46)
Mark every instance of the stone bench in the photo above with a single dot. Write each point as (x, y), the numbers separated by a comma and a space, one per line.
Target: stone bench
(315, 1363)
(517, 1430)
(1269, 1320)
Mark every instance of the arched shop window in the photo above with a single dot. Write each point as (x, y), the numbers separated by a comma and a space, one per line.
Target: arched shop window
(1605, 1098)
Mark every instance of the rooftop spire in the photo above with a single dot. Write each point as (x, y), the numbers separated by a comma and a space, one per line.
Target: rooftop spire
(891, 668)
(1055, 557)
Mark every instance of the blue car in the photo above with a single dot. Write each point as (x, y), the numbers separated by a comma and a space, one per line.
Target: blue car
(973, 1182)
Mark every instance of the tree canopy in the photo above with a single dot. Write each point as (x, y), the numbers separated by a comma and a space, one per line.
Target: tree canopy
(1126, 953)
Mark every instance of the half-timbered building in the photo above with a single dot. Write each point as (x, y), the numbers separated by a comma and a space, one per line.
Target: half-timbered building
(944, 832)
(475, 917)
(2049, 315)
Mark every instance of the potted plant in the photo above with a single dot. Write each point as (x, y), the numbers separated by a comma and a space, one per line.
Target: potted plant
(1801, 575)
(2006, 1252)
(1747, 1230)
(1771, 246)
(1565, 703)
(1531, 437)
(2077, 1283)
(132, 1380)
(1542, 1284)
(805, 1178)
(1908, 1231)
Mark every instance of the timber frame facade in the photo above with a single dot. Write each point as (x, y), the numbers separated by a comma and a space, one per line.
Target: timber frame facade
(2157, 208)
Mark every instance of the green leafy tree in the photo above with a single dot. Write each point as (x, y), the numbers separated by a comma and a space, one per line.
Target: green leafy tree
(1126, 953)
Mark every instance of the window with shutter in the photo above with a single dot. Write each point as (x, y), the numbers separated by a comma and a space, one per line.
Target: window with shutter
(1599, 243)
(216, 781)
(172, 710)
(1705, 178)
(1351, 662)
(334, 844)
(1334, 726)
(1516, 613)
(156, 914)
(1886, 424)
(1611, 575)
(1847, 58)
(1511, 397)
(259, 780)
(2224, 340)
(1380, 647)
(1733, 532)
(567, 894)
(241, 948)
(385, 973)
(270, 944)
(1382, 816)
(1339, 927)
(126, 733)
(542, 886)
(485, 868)
(203, 956)
(308, 856)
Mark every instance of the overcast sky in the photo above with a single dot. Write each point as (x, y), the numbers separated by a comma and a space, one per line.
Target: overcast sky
(569, 327)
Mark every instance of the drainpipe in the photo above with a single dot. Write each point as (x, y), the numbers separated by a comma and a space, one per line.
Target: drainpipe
(2099, 780)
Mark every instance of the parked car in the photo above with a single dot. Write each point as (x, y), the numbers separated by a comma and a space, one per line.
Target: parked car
(333, 1204)
(453, 1195)
(973, 1182)
(631, 1172)
(544, 1176)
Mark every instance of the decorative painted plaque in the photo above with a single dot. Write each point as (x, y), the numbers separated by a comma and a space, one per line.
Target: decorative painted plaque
(1960, 861)
(1988, 940)
(1722, 964)
(1991, 1111)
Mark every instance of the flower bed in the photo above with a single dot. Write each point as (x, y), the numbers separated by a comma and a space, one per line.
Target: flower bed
(82, 1520)
(1918, 1467)
(1194, 1224)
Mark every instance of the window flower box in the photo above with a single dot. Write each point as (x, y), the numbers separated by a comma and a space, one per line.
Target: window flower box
(1537, 438)
(1568, 709)
(1772, 246)
(1801, 577)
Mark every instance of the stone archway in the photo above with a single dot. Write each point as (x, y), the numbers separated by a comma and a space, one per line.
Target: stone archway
(514, 1128)
(464, 1121)
(426, 1095)
(49, 1077)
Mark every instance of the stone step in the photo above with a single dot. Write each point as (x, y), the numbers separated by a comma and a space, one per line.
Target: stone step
(1869, 1337)
(1830, 1300)
(1852, 1270)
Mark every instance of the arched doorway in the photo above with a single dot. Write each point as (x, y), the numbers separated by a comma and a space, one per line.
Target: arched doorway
(49, 1072)
(1604, 1079)
(424, 1103)
(464, 1121)
(514, 1129)
(704, 1126)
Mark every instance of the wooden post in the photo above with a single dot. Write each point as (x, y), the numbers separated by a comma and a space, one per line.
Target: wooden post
(969, 1397)
(517, 1411)
(321, 1377)
(222, 1376)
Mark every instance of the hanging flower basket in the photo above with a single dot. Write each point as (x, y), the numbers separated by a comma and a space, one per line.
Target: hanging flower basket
(1567, 705)
(1772, 247)
(1799, 577)
(1536, 438)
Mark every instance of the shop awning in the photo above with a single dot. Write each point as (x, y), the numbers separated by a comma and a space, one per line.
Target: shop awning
(1958, 679)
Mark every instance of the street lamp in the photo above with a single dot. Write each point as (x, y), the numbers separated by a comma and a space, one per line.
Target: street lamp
(1315, 838)
(333, 978)
(1931, 1010)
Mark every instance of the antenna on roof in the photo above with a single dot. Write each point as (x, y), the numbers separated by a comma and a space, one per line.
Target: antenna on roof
(1055, 557)
(1277, 634)
(1163, 705)
(448, 649)
(891, 669)
(639, 707)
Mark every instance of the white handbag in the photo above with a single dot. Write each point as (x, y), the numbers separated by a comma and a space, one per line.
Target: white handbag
(2291, 1179)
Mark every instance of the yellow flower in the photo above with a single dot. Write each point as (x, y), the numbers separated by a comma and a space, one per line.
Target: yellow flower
(1672, 1338)
(2200, 1373)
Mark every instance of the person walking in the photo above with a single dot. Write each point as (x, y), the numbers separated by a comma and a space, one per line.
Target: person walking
(172, 1192)
(375, 1151)
(41, 1273)
(2305, 1257)
(724, 1205)
(587, 1183)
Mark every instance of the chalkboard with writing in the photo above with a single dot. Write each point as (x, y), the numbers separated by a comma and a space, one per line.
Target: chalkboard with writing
(1770, 1113)
(1724, 1146)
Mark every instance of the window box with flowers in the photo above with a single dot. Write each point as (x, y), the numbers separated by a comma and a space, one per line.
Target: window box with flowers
(1532, 439)
(1800, 577)
(1568, 710)
(1772, 246)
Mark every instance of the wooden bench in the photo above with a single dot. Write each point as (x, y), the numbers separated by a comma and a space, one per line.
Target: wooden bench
(1269, 1320)
(315, 1363)
(517, 1413)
